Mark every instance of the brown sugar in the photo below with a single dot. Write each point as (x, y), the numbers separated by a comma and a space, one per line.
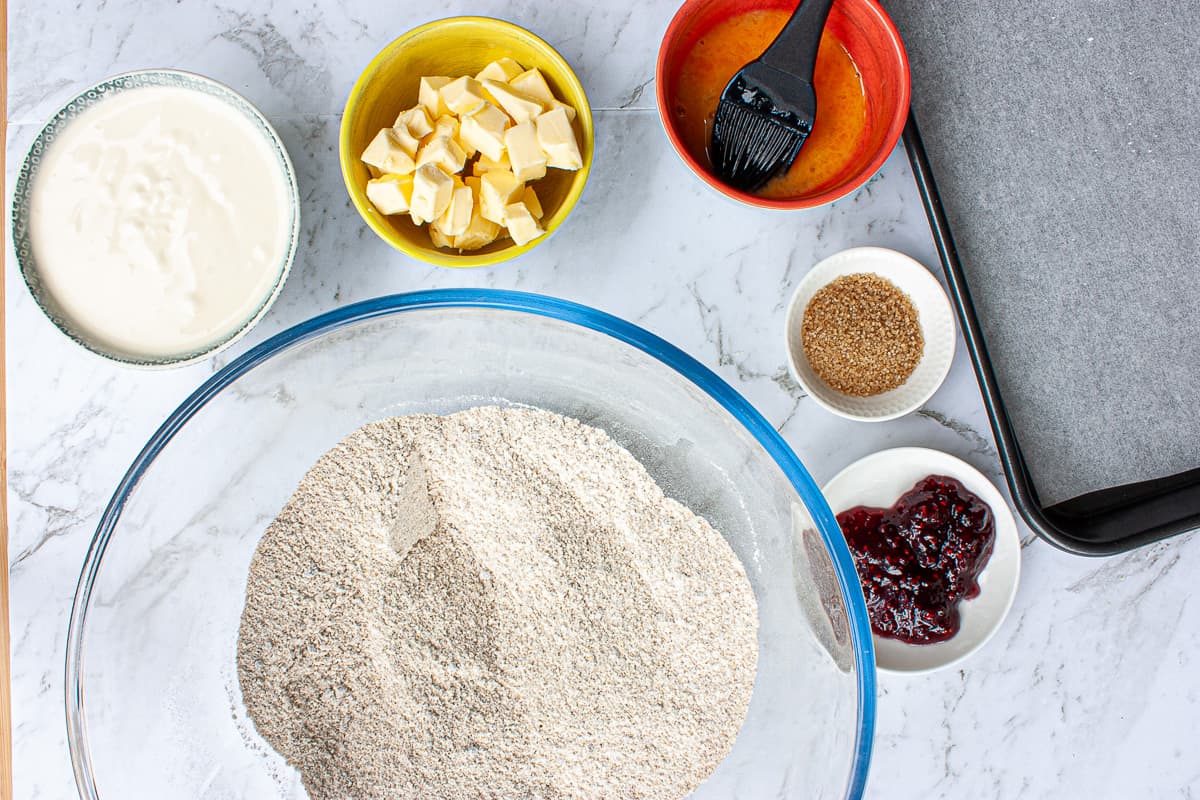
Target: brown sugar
(861, 335)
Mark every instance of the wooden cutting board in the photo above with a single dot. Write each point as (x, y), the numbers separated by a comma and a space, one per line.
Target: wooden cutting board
(5, 674)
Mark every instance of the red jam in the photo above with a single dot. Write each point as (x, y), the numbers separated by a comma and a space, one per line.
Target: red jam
(919, 558)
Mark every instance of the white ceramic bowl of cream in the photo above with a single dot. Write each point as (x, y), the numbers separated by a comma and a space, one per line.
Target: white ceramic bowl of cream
(156, 217)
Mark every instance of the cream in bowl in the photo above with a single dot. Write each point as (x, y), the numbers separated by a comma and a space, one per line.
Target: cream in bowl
(155, 218)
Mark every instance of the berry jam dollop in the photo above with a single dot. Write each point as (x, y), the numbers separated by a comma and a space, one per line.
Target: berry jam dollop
(919, 558)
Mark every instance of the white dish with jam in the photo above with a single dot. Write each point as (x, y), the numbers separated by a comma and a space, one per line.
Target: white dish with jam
(878, 480)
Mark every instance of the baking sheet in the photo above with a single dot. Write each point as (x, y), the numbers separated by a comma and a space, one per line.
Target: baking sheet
(1063, 139)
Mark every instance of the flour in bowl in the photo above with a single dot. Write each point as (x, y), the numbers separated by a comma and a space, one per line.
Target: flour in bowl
(498, 603)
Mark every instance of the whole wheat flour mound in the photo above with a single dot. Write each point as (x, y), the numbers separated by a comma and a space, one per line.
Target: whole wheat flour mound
(499, 603)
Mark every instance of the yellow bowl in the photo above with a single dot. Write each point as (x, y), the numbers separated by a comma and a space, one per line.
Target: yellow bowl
(456, 46)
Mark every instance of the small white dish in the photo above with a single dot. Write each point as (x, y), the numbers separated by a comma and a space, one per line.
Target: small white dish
(934, 314)
(878, 480)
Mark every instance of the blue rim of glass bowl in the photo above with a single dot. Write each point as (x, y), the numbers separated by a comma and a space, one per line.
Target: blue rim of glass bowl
(540, 305)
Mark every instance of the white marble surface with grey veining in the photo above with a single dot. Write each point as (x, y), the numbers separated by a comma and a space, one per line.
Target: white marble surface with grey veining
(1088, 690)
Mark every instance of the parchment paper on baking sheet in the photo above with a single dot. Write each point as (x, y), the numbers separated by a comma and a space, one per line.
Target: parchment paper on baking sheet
(1064, 141)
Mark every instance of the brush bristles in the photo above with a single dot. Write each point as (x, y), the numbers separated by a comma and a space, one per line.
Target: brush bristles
(749, 146)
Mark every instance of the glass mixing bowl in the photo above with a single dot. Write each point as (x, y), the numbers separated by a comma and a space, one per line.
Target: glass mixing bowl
(152, 698)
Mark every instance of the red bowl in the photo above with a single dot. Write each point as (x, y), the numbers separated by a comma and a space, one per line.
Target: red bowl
(870, 37)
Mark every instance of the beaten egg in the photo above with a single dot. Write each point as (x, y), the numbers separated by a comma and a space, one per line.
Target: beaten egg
(840, 125)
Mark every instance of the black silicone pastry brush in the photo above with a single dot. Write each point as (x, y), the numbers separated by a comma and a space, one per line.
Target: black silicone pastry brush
(767, 109)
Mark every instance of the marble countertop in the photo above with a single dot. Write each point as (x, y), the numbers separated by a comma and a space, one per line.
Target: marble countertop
(1084, 692)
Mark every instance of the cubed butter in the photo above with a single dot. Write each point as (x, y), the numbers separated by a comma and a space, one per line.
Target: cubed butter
(446, 126)
(415, 120)
(508, 121)
(387, 154)
(408, 141)
(533, 83)
(439, 239)
(531, 201)
(432, 189)
(518, 105)
(430, 95)
(390, 194)
(483, 130)
(463, 95)
(567, 108)
(557, 139)
(521, 225)
(484, 164)
(457, 216)
(524, 153)
(469, 151)
(443, 151)
(503, 70)
(480, 232)
(498, 189)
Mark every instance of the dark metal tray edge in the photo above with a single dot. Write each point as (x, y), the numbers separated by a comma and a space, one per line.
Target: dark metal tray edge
(1071, 538)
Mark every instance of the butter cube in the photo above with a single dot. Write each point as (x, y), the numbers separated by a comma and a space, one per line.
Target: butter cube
(521, 225)
(463, 95)
(467, 149)
(526, 155)
(443, 151)
(479, 233)
(531, 201)
(491, 98)
(557, 138)
(432, 189)
(566, 107)
(439, 239)
(407, 140)
(390, 194)
(498, 189)
(387, 154)
(484, 164)
(503, 70)
(533, 83)
(483, 130)
(415, 120)
(470, 150)
(518, 105)
(430, 95)
(457, 216)
(446, 126)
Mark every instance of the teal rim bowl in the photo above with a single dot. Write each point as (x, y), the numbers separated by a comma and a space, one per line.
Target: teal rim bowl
(27, 261)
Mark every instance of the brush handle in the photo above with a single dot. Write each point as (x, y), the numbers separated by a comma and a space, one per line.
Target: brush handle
(795, 48)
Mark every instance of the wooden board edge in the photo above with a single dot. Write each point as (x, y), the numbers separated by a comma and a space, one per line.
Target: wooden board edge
(6, 776)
